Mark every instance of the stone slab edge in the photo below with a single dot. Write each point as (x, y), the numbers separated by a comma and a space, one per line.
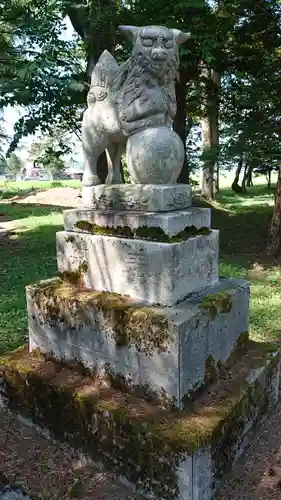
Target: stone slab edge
(138, 197)
(171, 223)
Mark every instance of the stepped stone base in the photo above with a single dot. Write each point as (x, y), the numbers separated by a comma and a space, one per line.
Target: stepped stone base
(163, 353)
(171, 223)
(165, 455)
(159, 273)
(143, 197)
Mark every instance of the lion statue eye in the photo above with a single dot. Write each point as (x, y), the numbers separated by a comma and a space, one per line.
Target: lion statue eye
(169, 44)
(147, 42)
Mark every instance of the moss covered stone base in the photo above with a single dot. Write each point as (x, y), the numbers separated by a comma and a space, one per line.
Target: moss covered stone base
(169, 454)
(166, 354)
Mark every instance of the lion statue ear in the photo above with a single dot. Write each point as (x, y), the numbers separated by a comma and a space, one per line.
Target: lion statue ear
(130, 31)
(180, 36)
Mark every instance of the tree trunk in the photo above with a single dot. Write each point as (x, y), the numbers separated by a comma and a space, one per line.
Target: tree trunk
(249, 182)
(268, 178)
(179, 124)
(235, 185)
(273, 242)
(210, 130)
(245, 177)
(217, 178)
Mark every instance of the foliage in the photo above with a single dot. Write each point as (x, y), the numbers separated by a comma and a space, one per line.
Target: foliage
(48, 76)
(49, 151)
(14, 164)
(3, 165)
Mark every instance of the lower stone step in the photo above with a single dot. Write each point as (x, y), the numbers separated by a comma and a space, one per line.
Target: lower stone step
(169, 354)
(164, 454)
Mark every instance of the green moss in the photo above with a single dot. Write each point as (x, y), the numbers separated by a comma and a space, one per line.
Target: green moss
(84, 225)
(143, 232)
(243, 340)
(143, 391)
(211, 373)
(134, 438)
(70, 239)
(75, 276)
(217, 303)
(131, 324)
(211, 376)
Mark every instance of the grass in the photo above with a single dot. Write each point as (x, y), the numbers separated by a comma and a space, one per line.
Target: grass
(30, 255)
(25, 257)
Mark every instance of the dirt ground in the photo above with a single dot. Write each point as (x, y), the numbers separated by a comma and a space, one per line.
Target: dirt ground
(47, 472)
(61, 196)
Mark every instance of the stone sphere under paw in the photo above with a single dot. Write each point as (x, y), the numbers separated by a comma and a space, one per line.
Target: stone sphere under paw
(155, 156)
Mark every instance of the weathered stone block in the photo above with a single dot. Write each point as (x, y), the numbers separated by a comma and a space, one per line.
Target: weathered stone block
(166, 455)
(159, 273)
(170, 223)
(135, 197)
(167, 353)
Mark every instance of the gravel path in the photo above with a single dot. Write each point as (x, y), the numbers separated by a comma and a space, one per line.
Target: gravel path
(60, 196)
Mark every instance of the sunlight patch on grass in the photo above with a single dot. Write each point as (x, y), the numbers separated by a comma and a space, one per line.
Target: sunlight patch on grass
(265, 311)
(32, 222)
(265, 308)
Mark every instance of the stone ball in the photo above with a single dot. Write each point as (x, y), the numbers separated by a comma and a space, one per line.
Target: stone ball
(154, 156)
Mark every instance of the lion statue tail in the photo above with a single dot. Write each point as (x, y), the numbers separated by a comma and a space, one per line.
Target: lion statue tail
(104, 71)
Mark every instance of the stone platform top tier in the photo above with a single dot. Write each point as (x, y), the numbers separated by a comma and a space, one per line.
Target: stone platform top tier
(138, 197)
(161, 226)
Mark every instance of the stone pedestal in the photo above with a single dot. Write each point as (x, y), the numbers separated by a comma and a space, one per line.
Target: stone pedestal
(139, 307)
(149, 278)
(143, 197)
(158, 256)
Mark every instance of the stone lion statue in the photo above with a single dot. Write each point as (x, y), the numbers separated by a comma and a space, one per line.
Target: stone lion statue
(126, 99)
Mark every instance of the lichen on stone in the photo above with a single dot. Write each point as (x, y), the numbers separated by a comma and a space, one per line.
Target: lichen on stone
(130, 323)
(150, 233)
(217, 303)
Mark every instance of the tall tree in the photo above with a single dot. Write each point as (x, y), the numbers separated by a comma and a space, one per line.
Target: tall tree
(14, 164)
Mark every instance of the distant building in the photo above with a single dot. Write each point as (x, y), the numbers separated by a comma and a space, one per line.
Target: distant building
(33, 172)
(75, 172)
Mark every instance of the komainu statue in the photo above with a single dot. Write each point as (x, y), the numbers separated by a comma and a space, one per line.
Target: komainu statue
(134, 104)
